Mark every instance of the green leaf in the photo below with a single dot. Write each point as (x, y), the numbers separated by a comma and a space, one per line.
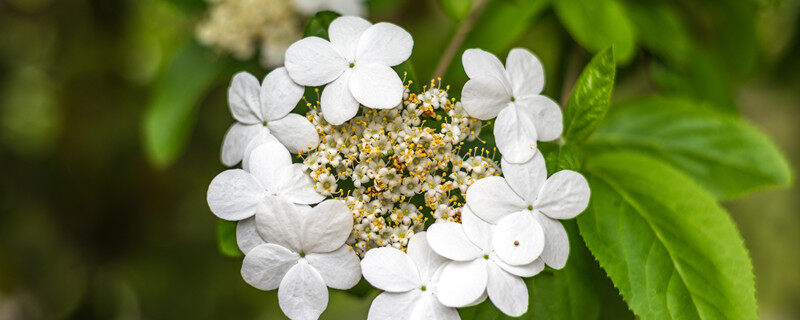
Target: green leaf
(597, 24)
(660, 30)
(188, 5)
(588, 102)
(561, 156)
(721, 152)
(317, 26)
(226, 239)
(455, 9)
(672, 251)
(483, 311)
(702, 77)
(170, 115)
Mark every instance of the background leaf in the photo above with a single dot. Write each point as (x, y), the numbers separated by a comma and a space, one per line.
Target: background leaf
(722, 153)
(226, 239)
(317, 26)
(597, 24)
(455, 9)
(588, 102)
(660, 29)
(672, 251)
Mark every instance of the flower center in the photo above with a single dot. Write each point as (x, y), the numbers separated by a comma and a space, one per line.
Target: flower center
(530, 208)
(264, 123)
(516, 243)
(423, 288)
(513, 99)
(352, 64)
(302, 254)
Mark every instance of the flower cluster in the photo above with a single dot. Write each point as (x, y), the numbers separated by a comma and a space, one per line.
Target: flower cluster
(401, 191)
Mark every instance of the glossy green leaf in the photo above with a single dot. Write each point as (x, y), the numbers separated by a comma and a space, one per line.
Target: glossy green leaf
(660, 29)
(722, 153)
(455, 9)
(597, 24)
(588, 102)
(170, 115)
(226, 239)
(672, 251)
(561, 156)
(317, 26)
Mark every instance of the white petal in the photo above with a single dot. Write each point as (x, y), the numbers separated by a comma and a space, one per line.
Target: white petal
(484, 97)
(526, 178)
(384, 43)
(302, 294)
(424, 257)
(295, 132)
(525, 270)
(556, 242)
(376, 86)
(564, 195)
(279, 94)
(478, 231)
(247, 236)
(236, 140)
(525, 72)
(314, 61)
(266, 161)
(327, 226)
(281, 222)
(480, 64)
(393, 306)
(263, 136)
(545, 115)
(340, 268)
(429, 307)
(390, 269)
(507, 292)
(462, 282)
(345, 32)
(491, 199)
(515, 136)
(449, 240)
(337, 103)
(296, 186)
(243, 98)
(234, 195)
(265, 266)
(518, 239)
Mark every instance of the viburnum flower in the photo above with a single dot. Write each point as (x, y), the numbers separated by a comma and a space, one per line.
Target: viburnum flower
(512, 94)
(355, 64)
(305, 253)
(409, 281)
(266, 108)
(488, 259)
(236, 194)
(525, 188)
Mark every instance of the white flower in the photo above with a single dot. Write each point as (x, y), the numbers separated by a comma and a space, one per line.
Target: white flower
(266, 107)
(492, 257)
(355, 63)
(236, 194)
(410, 282)
(513, 96)
(304, 254)
(526, 188)
(345, 7)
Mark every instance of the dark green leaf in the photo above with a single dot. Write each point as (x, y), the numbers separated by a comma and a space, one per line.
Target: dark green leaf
(226, 239)
(672, 251)
(722, 153)
(561, 156)
(455, 9)
(597, 24)
(483, 311)
(588, 102)
(317, 26)
(660, 29)
(702, 77)
(170, 115)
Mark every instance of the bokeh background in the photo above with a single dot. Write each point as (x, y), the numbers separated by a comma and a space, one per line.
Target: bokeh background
(95, 224)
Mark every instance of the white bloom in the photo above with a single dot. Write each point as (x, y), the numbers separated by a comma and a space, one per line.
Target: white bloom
(266, 107)
(526, 188)
(410, 282)
(236, 194)
(304, 254)
(345, 7)
(512, 94)
(355, 64)
(492, 257)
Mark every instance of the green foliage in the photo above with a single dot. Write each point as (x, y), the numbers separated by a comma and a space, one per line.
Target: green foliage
(188, 5)
(672, 251)
(226, 239)
(597, 24)
(317, 26)
(589, 99)
(561, 156)
(455, 9)
(407, 72)
(722, 153)
(660, 30)
(169, 118)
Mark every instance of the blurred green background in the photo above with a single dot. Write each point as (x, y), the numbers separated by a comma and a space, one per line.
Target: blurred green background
(112, 117)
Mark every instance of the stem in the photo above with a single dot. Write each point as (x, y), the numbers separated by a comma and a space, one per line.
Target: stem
(459, 37)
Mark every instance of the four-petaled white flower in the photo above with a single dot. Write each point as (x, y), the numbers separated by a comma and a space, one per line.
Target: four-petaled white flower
(512, 94)
(266, 107)
(305, 253)
(345, 7)
(490, 257)
(410, 281)
(236, 194)
(525, 188)
(355, 64)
